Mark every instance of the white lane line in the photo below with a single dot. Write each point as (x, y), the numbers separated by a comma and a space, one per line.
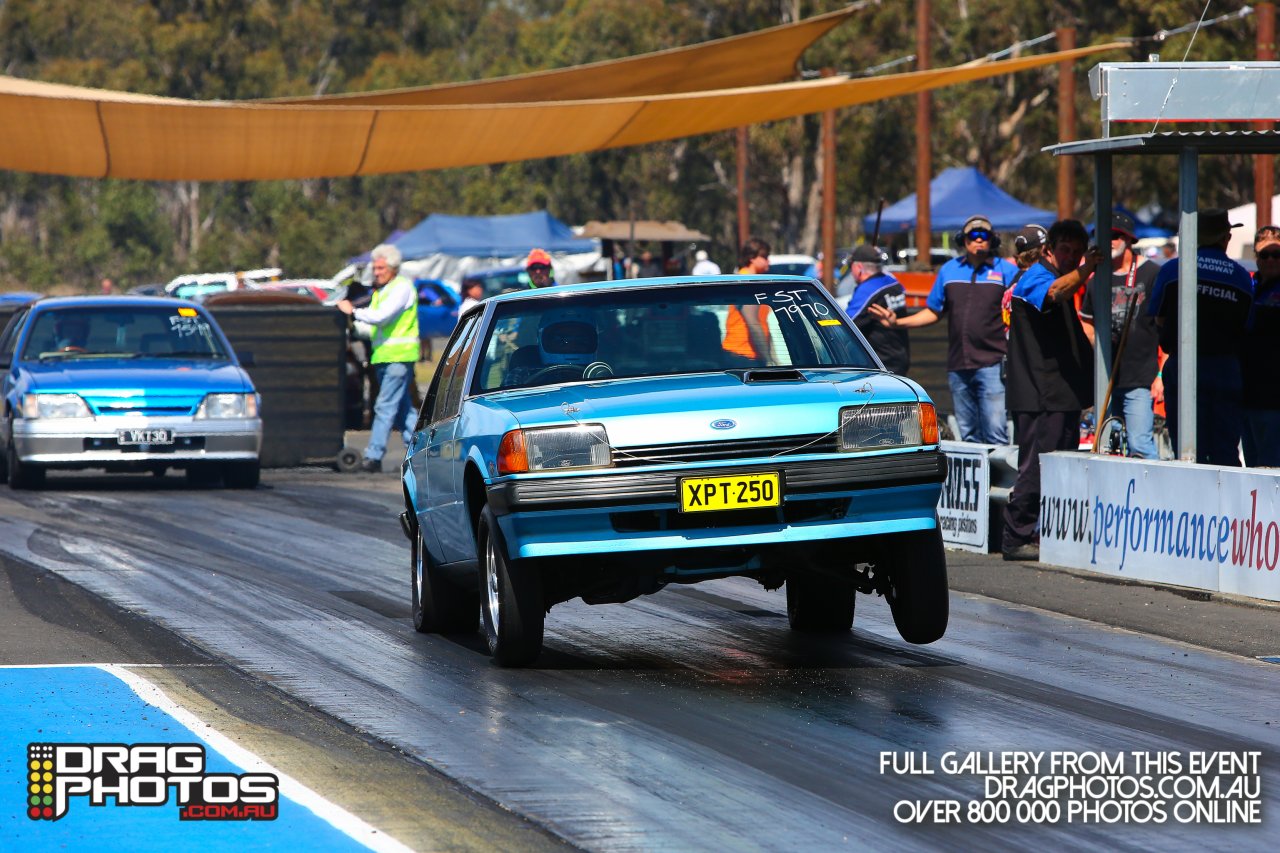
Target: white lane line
(338, 817)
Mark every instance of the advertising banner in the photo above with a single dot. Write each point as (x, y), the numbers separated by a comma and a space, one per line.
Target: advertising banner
(963, 507)
(1199, 526)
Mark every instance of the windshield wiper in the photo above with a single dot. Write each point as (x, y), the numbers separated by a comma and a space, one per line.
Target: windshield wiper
(61, 356)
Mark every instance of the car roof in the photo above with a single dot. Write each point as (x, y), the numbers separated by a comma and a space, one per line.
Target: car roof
(660, 282)
(129, 300)
(792, 259)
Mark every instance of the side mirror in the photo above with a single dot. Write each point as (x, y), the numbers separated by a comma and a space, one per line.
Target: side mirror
(246, 359)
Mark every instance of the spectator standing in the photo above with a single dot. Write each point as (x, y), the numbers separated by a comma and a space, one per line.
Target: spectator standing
(746, 329)
(1224, 297)
(1261, 388)
(969, 290)
(874, 287)
(472, 293)
(648, 267)
(108, 287)
(1050, 373)
(393, 315)
(1137, 379)
(704, 265)
(538, 266)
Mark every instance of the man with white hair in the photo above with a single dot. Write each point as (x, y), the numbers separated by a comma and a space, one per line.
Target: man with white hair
(704, 265)
(393, 315)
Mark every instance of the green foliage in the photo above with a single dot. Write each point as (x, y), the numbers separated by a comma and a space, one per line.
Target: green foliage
(64, 231)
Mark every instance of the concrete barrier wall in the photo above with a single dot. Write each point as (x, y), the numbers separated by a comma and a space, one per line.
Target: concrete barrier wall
(1200, 526)
(299, 366)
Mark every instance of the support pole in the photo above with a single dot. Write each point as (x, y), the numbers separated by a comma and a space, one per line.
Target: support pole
(828, 195)
(1188, 346)
(1102, 295)
(924, 140)
(1066, 124)
(1263, 164)
(744, 222)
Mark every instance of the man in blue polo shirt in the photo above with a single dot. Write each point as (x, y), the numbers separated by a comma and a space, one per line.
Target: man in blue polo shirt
(871, 285)
(1050, 373)
(1224, 297)
(968, 290)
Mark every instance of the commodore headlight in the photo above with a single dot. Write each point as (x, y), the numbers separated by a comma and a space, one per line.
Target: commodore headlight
(54, 406)
(888, 425)
(228, 406)
(554, 449)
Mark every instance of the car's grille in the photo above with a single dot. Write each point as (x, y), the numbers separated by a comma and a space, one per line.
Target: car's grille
(152, 411)
(715, 451)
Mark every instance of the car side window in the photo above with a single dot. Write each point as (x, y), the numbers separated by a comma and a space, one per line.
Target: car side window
(9, 339)
(437, 404)
(451, 400)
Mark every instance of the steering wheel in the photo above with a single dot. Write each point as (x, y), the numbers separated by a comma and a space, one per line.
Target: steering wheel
(572, 372)
(598, 370)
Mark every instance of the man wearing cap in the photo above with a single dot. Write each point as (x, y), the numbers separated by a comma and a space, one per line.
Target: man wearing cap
(1224, 298)
(704, 265)
(538, 266)
(870, 286)
(1050, 373)
(969, 290)
(1137, 377)
(1261, 393)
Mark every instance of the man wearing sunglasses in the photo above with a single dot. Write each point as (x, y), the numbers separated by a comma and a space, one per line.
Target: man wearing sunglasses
(969, 289)
(1261, 391)
(1137, 374)
(1224, 298)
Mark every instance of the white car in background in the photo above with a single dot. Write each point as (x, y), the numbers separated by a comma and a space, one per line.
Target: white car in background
(197, 286)
(790, 264)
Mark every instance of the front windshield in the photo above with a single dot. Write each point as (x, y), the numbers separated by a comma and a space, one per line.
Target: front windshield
(694, 328)
(122, 332)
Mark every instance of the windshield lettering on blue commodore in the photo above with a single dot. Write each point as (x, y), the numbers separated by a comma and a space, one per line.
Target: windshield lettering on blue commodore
(792, 303)
(186, 326)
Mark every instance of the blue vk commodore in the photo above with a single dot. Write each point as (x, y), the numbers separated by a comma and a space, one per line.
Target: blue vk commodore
(125, 383)
(603, 440)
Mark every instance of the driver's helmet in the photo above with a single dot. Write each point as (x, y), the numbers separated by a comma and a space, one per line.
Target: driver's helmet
(568, 336)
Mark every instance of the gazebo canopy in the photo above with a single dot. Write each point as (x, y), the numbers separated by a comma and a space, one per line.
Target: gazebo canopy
(954, 196)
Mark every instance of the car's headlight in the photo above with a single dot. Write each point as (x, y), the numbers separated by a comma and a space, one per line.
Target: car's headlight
(888, 425)
(228, 406)
(54, 406)
(554, 449)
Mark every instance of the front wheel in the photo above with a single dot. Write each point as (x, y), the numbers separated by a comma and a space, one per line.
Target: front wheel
(511, 603)
(439, 606)
(917, 578)
(22, 475)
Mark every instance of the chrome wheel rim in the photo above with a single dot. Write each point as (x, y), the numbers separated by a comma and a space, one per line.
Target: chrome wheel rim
(418, 569)
(491, 584)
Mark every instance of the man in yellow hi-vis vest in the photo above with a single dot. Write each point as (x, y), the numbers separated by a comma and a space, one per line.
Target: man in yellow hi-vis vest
(393, 314)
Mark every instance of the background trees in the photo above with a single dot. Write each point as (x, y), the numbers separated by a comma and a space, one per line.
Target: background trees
(58, 230)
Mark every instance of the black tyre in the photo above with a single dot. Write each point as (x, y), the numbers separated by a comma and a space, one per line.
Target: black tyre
(22, 475)
(818, 604)
(511, 603)
(917, 577)
(242, 475)
(439, 606)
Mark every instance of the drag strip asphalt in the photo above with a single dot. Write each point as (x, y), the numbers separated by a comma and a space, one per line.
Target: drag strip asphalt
(690, 719)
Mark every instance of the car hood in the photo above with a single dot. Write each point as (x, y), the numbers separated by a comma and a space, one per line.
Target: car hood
(674, 409)
(170, 386)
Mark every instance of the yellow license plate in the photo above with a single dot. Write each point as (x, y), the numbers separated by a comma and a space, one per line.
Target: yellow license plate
(741, 491)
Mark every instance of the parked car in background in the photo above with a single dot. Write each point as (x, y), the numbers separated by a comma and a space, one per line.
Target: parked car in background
(153, 289)
(319, 289)
(438, 302)
(125, 383)
(197, 286)
(500, 279)
(604, 440)
(790, 264)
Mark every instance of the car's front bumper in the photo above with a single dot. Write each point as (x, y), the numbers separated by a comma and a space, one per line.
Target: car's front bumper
(639, 511)
(92, 442)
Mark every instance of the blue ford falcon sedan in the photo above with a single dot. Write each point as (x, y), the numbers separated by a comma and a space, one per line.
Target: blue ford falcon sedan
(125, 383)
(604, 440)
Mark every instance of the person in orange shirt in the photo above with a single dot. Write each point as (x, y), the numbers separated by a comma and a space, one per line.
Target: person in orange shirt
(746, 331)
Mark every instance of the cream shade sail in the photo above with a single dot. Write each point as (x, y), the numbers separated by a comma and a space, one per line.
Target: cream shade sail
(752, 59)
(67, 130)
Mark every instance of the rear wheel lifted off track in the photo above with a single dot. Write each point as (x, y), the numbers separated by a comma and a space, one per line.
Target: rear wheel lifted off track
(20, 474)
(917, 584)
(819, 605)
(439, 606)
(511, 603)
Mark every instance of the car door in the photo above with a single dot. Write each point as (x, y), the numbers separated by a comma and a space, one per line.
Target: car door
(434, 446)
